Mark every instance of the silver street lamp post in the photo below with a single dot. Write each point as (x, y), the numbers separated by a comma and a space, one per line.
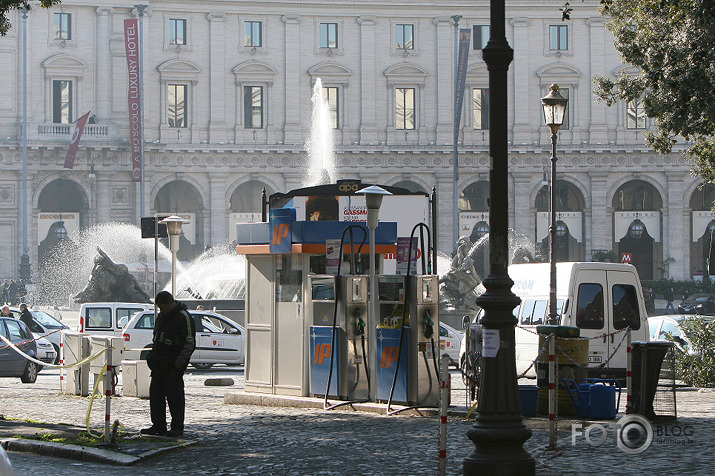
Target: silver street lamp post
(173, 227)
(373, 200)
(554, 112)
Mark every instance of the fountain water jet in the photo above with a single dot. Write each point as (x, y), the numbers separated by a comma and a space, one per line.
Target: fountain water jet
(321, 165)
(216, 274)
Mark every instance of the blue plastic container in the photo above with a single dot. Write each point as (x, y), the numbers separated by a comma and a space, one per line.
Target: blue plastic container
(528, 394)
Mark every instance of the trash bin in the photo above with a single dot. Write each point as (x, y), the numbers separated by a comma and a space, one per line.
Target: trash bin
(646, 363)
(571, 359)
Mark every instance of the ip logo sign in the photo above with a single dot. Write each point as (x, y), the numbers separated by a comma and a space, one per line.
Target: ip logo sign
(281, 220)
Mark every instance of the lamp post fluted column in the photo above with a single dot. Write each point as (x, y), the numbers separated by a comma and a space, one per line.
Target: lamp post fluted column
(499, 432)
(553, 313)
(25, 271)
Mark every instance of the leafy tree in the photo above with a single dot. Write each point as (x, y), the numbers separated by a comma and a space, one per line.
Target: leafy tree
(6, 6)
(671, 42)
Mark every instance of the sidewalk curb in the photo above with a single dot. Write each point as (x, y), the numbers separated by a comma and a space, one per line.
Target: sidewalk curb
(82, 453)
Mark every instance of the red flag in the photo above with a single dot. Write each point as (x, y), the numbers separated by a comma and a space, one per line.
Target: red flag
(131, 43)
(74, 143)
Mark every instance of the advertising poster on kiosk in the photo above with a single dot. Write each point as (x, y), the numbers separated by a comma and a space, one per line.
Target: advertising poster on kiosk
(406, 210)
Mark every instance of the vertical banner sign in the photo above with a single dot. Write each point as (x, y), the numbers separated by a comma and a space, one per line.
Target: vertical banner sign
(464, 39)
(131, 42)
(74, 143)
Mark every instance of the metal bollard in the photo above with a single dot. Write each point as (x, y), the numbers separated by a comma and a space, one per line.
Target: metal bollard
(445, 386)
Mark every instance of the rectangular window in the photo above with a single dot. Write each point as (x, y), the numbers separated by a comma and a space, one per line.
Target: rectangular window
(177, 31)
(123, 314)
(63, 26)
(330, 94)
(558, 37)
(405, 108)
(254, 33)
(61, 101)
(253, 107)
(589, 313)
(480, 108)
(177, 105)
(98, 317)
(328, 35)
(625, 307)
(636, 114)
(405, 37)
(481, 36)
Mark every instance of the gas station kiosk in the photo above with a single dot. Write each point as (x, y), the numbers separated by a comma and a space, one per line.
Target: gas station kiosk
(309, 331)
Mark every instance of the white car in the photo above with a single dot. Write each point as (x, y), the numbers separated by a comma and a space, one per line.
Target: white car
(45, 350)
(668, 328)
(219, 340)
(44, 326)
(449, 341)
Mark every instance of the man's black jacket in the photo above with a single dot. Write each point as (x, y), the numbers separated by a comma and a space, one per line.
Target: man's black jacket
(174, 340)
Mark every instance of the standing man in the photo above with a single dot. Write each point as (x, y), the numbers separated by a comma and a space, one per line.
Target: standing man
(174, 341)
(26, 316)
(669, 295)
(5, 292)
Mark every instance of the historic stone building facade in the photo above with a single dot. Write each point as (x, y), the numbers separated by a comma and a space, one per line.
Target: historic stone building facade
(227, 89)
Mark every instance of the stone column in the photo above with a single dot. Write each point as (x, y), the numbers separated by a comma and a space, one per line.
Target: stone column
(601, 213)
(524, 219)
(292, 127)
(521, 108)
(103, 86)
(598, 129)
(368, 79)
(675, 233)
(445, 184)
(104, 198)
(217, 94)
(444, 40)
(217, 209)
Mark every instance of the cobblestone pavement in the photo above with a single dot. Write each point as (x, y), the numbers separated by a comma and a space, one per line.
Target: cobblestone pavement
(238, 439)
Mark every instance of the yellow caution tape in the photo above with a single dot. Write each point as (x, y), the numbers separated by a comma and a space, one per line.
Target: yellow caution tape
(55, 366)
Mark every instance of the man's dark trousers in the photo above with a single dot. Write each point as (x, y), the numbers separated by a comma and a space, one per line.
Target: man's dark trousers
(167, 388)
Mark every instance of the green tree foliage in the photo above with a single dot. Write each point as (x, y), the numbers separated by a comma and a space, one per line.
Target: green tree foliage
(6, 6)
(696, 366)
(671, 42)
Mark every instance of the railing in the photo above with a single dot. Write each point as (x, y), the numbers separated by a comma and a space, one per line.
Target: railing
(63, 132)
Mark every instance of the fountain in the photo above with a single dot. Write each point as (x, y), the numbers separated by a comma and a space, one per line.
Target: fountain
(321, 166)
(461, 283)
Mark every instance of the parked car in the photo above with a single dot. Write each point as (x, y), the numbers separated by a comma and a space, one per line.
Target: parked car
(449, 341)
(45, 350)
(668, 328)
(701, 303)
(219, 340)
(13, 364)
(44, 326)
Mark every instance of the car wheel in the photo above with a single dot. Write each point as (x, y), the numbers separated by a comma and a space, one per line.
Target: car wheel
(57, 350)
(30, 374)
(202, 366)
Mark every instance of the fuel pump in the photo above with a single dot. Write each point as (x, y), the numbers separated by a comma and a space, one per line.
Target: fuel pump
(338, 344)
(417, 384)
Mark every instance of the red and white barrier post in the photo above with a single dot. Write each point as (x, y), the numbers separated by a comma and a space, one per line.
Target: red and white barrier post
(108, 384)
(445, 386)
(629, 369)
(552, 391)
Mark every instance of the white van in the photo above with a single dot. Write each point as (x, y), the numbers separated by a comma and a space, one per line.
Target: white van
(598, 298)
(108, 318)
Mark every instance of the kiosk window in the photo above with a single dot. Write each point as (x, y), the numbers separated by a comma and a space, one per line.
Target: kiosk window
(589, 313)
(289, 279)
(625, 307)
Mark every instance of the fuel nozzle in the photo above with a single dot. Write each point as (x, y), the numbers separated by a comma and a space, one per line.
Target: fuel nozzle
(428, 325)
(359, 322)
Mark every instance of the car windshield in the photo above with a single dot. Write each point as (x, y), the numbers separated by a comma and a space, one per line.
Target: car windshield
(47, 320)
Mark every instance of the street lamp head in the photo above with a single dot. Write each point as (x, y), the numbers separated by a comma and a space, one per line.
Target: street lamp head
(561, 229)
(554, 105)
(373, 200)
(173, 224)
(636, 229)
(92, 176)
(173, 227)
(373, 196)
(61, 231)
